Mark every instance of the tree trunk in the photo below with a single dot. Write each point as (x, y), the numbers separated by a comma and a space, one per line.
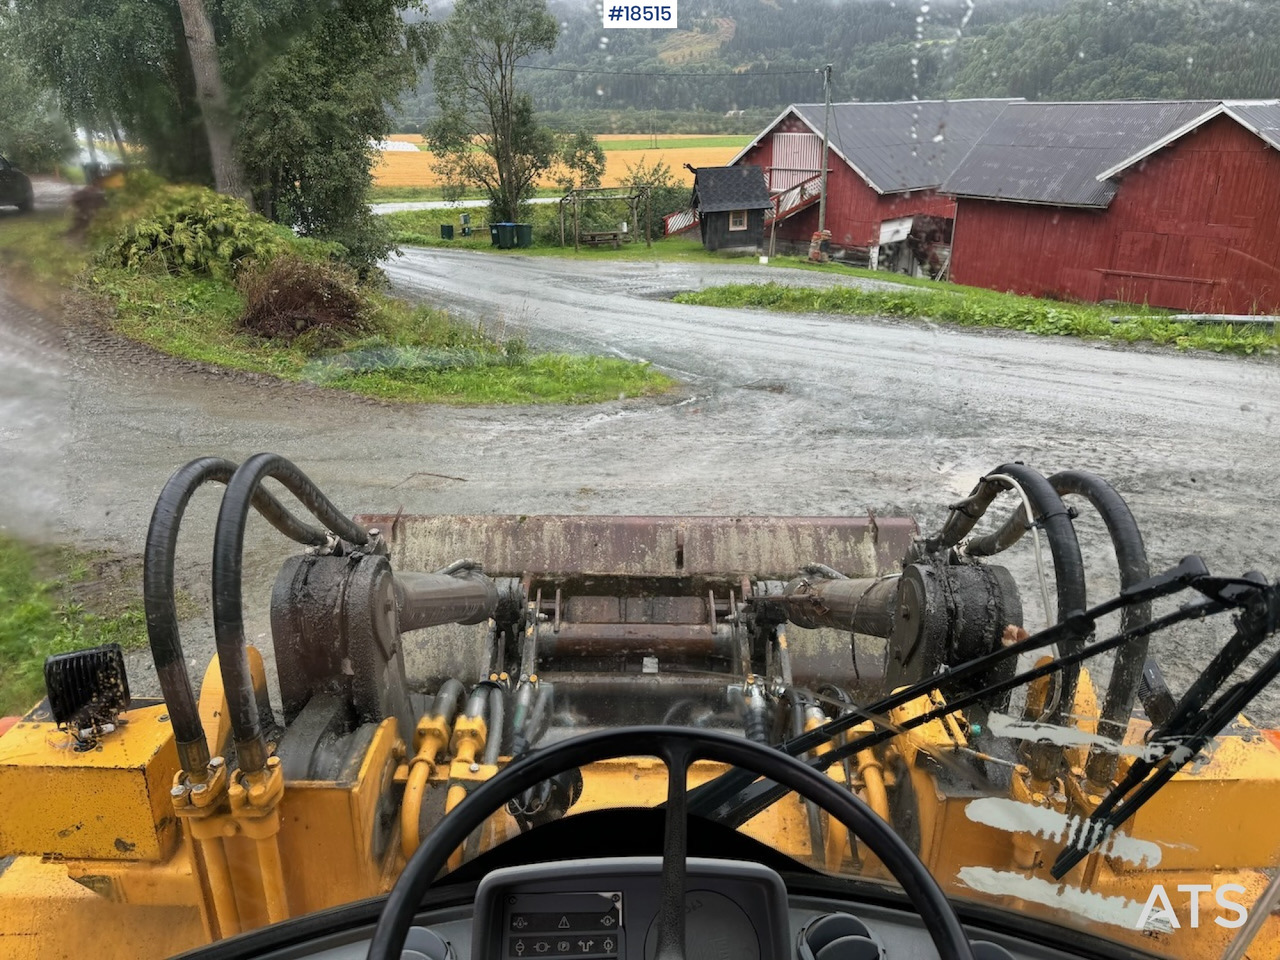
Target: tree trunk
(212, 96)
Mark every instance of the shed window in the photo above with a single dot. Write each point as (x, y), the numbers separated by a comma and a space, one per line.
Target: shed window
(738, 220)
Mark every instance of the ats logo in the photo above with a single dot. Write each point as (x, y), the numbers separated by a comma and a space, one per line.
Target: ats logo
(1158, 914)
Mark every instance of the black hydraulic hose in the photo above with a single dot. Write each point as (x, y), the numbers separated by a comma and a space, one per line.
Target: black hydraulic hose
(448, 700)
(496, 730)
(158, 595)
(1068, 565)
(228, 610)
(1131, 557)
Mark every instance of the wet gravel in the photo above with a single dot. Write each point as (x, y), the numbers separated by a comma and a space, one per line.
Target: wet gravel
(779, 414)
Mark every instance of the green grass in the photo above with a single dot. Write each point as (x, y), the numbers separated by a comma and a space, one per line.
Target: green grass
(35, 247)
(414, 354)
(48, 605)
(421, 228)
(967, 306)
(422, 354)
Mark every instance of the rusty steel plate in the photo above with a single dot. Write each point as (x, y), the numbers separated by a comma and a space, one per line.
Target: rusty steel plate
(772, 548)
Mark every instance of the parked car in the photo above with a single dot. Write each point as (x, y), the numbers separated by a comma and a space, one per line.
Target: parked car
(15, 187)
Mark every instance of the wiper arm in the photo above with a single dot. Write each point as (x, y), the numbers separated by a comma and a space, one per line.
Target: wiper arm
(721, 798)
(1192, 725)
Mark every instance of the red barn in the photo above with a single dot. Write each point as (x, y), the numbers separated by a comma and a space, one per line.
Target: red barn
(887, 162)
(1173, 204)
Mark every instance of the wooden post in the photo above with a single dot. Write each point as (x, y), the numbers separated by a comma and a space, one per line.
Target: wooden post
(575, 223)
(562, 221)
(648, 214)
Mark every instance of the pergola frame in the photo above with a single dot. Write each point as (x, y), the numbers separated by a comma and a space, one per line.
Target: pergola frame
(635, 197)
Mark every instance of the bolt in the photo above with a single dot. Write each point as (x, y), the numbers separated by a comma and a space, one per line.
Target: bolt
(163, 718)
(216, 763)
(273, 763)
(475, 767)
(374, 532)
(199, 788)
(178, 791)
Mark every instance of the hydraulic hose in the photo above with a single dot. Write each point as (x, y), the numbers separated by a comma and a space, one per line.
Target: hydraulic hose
(448, 700)
(445, 707)
(228, 611)
(1127, 675)
(1131, 556)
(1068, 565)
(497, 711)
(158, 595)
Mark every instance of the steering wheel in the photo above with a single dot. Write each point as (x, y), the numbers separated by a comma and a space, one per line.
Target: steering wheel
(677, 748)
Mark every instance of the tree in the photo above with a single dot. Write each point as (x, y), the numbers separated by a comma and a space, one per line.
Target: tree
(313, 109)
(475, 82)
(219, 125)
(579, 161)
(32, 134)
(306, 87)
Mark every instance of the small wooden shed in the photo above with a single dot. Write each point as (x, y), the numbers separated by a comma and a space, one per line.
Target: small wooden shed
(732, 203)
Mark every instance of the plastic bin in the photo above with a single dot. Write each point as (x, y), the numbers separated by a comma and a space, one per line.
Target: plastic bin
(506, 236)
(524, 234)
(446, 231)
(493, 234)
(465, 218)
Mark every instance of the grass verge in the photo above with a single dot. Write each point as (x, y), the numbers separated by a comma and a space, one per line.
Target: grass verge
(54, 600)
(404, 353)
(421, 228)
(971, 307)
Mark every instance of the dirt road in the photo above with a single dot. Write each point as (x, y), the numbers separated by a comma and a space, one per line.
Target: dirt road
(781, 415)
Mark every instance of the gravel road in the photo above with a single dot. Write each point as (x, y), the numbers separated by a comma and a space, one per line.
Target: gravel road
(780, 414)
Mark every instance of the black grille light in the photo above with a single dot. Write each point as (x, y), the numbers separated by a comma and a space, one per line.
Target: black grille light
(87, 689)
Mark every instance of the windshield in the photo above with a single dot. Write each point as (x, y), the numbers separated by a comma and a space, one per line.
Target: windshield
(851, 376)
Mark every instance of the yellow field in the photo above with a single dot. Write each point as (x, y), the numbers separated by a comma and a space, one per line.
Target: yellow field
(404, 169)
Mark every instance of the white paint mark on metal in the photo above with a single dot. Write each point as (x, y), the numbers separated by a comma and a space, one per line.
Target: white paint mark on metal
(1002, 725)
(1002, 813)
(1116, 911)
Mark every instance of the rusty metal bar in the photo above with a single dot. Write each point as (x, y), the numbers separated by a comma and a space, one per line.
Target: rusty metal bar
(663, 640)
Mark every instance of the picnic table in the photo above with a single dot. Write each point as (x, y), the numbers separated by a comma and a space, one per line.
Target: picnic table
(596, 237)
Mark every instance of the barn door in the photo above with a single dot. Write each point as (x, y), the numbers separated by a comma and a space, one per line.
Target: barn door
(796, 158)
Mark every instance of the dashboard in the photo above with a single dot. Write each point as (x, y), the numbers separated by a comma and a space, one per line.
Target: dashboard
(608, 909)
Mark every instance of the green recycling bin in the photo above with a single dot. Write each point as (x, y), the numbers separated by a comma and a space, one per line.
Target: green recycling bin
(506, 236)
(524, 234)
(446, 231)
(493, 234)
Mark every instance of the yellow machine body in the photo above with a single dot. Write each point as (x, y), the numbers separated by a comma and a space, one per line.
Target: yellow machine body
(114, 852)
(122, 873)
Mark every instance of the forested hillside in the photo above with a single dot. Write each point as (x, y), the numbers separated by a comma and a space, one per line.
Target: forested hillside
(755, 56)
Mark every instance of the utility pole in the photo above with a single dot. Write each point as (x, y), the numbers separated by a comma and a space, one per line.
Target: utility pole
(826, 147)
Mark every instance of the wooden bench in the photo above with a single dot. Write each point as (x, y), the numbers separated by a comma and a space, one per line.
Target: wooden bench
(596, 238)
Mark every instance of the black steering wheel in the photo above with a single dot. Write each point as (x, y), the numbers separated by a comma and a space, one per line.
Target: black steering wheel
(677, 748)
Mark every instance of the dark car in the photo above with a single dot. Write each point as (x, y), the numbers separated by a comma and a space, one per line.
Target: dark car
(15, 187)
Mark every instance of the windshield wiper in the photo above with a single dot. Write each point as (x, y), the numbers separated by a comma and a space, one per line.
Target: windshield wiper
(1195, 721)
(736, 797)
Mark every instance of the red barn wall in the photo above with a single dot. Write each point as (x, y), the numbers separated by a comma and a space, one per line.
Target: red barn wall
(1195, 227)
(854, 210)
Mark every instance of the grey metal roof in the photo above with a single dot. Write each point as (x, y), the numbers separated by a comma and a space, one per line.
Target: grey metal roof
(1260, 116)
(1057, 153)
(717, 189)
(903, 145)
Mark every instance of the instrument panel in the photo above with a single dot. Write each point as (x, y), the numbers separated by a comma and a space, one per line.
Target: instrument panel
(609, 909)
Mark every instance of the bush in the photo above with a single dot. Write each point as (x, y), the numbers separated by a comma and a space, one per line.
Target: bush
(294, 296)
(185, 229)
